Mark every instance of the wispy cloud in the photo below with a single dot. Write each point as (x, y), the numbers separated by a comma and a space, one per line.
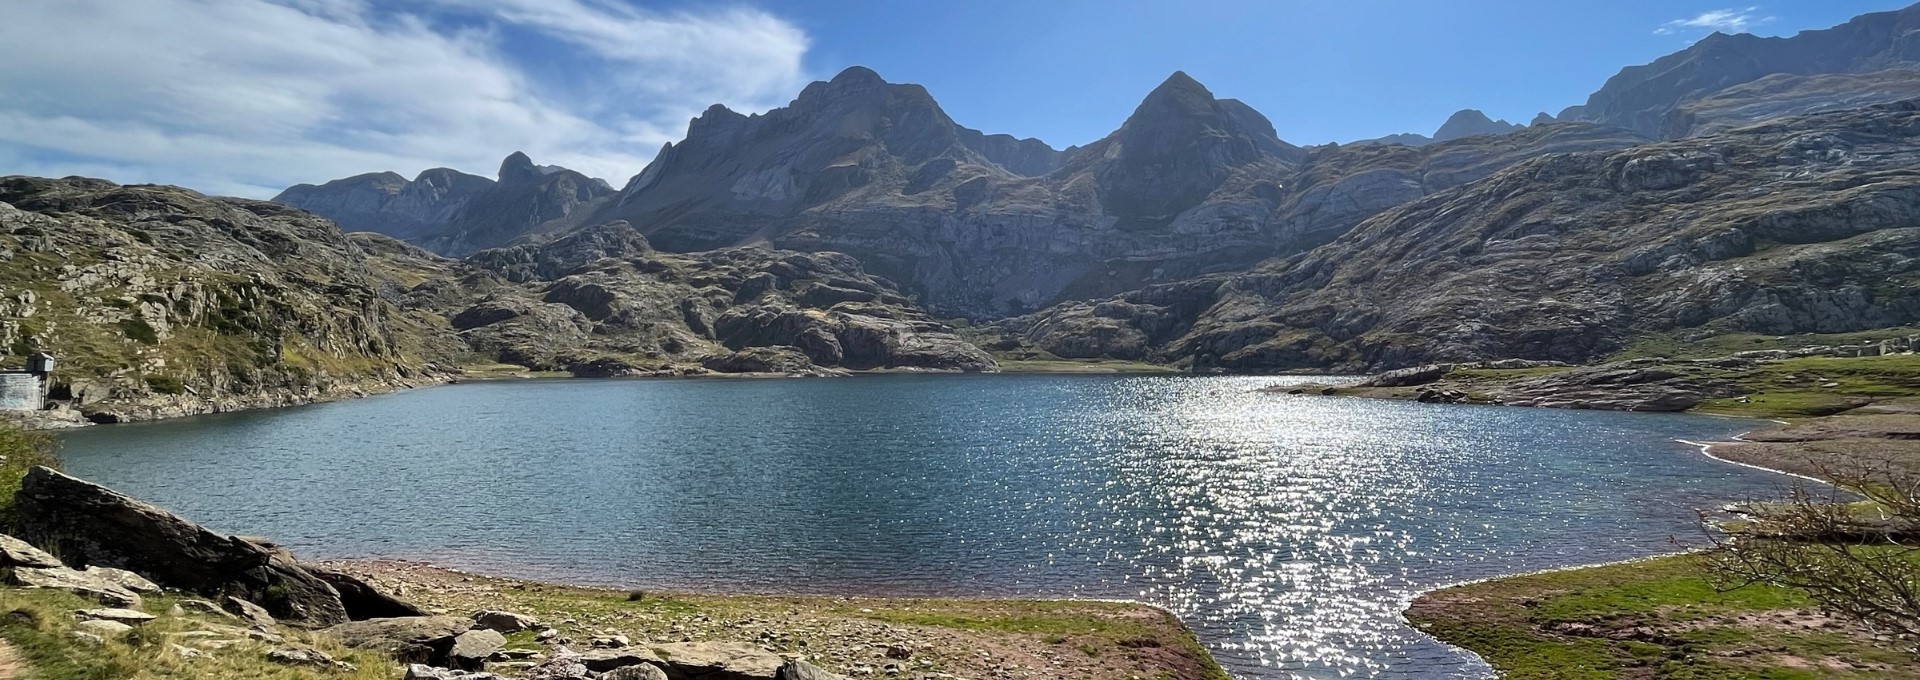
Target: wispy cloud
(248, 96)
(1735, 20)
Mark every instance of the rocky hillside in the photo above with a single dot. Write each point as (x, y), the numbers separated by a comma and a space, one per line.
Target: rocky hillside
(1640, 98)
(454, 213)
(159, 301)
(1805, 224)
(601, 301)
(1780, 95)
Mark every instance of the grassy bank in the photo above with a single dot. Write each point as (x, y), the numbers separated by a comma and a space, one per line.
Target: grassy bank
(1656, 618)
(1663, 618)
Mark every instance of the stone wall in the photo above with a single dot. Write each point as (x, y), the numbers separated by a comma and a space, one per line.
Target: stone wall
(20, 392)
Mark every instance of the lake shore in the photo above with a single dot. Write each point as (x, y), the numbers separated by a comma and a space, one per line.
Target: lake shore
(896, 637)
(1661, 616)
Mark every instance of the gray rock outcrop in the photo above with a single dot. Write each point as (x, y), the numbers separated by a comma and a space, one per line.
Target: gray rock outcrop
(90, 525)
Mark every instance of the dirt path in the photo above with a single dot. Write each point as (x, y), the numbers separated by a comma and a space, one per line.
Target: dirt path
(11, 665)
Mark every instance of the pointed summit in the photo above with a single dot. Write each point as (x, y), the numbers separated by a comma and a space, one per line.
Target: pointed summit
(518, 168)
(1179, 145)
(1177, 96)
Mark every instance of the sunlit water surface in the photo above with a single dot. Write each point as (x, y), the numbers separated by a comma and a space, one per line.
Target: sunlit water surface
(1288, 531)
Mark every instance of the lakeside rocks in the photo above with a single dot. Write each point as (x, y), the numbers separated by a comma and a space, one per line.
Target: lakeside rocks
(90, 525)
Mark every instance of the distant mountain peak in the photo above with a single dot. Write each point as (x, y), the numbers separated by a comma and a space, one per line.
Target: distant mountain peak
(858, 75)
(1470, 122)
(517, 168)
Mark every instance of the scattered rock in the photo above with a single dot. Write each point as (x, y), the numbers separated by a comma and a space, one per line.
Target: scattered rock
(185, 652)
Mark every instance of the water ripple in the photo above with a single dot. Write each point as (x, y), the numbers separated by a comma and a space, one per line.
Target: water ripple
(1288, 531)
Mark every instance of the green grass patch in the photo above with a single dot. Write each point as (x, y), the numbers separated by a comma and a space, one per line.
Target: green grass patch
(1652, 618)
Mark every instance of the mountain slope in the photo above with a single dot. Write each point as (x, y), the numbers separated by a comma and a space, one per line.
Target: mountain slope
(1804, 224)
(386, 203)
(161, 301)
(1640, 97)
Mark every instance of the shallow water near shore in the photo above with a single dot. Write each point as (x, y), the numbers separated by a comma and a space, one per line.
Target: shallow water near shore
(1288, 531)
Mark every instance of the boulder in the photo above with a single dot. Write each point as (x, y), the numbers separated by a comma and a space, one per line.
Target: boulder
(361, 600)
(412, 639)
(103, 629)
(801, 670)
(718, 661)
(603, 660)
(471, 649)
(91, 525)
(505, 622)
(76, 582)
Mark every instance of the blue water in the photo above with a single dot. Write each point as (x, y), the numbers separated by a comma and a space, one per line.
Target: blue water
(1288, 531)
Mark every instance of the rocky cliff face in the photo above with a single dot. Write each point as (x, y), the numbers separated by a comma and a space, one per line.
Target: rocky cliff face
(453, 213)
(1804, 224)
(1640, 98)
(161, 301)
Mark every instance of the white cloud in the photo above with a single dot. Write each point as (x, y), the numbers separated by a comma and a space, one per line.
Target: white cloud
(1735, 20)
(249, 96)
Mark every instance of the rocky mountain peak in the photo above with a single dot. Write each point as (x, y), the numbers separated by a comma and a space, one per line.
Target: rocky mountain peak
(1179, 145)
(517, 168)
(1470, 122)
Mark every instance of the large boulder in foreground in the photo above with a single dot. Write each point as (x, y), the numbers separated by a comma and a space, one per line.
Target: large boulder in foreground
(90, 525)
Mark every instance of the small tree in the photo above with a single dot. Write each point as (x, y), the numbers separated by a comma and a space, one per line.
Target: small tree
(1859, 560)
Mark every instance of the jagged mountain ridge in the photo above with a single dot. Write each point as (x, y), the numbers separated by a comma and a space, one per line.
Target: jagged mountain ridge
(1640, 98)
(1804, 224)
(454, 213)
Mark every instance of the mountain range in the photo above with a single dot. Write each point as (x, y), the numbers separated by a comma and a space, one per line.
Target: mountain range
(1741, 186)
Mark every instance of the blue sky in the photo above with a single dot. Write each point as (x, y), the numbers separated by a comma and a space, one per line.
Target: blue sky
(245, 97)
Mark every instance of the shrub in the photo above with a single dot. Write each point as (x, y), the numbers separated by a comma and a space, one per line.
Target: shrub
(166, 384)
(20, 450)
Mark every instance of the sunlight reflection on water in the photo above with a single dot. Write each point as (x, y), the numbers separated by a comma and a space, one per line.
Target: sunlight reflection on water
(1288, 531)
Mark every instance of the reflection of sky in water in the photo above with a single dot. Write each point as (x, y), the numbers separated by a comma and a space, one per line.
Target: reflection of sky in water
(1288, 531)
